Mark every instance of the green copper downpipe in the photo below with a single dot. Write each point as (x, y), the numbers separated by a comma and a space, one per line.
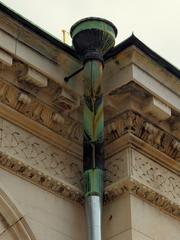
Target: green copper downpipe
(92, 38)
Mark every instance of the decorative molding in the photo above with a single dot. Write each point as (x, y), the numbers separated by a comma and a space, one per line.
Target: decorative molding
(131, 164)
(57, 94)
(154, 176)
(50, 184)
(143, 192)
(155, 70)
(40, 155)
(40, 131)
(129, 171)
(40, 112)
(128, 122)
(131, 122)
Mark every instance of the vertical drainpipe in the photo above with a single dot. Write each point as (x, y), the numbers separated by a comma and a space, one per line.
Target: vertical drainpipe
(92, 38)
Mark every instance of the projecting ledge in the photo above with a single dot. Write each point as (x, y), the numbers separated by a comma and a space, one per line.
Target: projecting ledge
(153, 86)
(131, 171)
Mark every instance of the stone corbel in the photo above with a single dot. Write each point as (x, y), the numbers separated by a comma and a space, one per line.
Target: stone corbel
(32, 76)
(157, 108)
(65, 101)
(5, 58)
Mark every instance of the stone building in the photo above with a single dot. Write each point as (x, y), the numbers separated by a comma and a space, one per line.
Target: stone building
(41, 134)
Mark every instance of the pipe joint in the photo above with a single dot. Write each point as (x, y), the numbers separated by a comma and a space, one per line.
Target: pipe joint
(94, 179)
(93, 55)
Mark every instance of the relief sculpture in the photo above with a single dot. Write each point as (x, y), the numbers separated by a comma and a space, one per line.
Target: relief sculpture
(40, 155)
(131, 122)
(155, 176)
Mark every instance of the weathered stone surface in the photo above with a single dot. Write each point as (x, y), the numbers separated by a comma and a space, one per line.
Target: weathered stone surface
(129, 171)
(38, 154)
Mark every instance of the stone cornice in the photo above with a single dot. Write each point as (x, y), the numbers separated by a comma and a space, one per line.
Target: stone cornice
(143, 192)
(37, 40)
(36, 177)
(35, 116)
(134, 184)
(52, 63)
(29, 112)
(130, 140)
(157, 71)
(130, 171)
(134, 123)
(121, 72)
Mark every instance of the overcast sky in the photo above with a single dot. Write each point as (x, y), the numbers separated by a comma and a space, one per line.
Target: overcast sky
(155, 22)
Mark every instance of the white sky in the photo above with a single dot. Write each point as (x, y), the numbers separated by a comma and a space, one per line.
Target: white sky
(155, 22)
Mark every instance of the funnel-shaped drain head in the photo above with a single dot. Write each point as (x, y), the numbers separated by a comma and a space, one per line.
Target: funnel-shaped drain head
(93, 37)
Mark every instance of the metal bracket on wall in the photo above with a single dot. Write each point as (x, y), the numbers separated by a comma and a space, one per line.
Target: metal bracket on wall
(66, 79)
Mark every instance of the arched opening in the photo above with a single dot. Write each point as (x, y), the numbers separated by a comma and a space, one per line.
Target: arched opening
(13, 225)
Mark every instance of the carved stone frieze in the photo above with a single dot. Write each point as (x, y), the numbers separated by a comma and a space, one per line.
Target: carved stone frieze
(57, 187)
(128, 122)
(38, 154)
(58, 172)
(131, 171)
(154, 176)
(131, 122)
(131, 164)
(40, 112)
(112, 192)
